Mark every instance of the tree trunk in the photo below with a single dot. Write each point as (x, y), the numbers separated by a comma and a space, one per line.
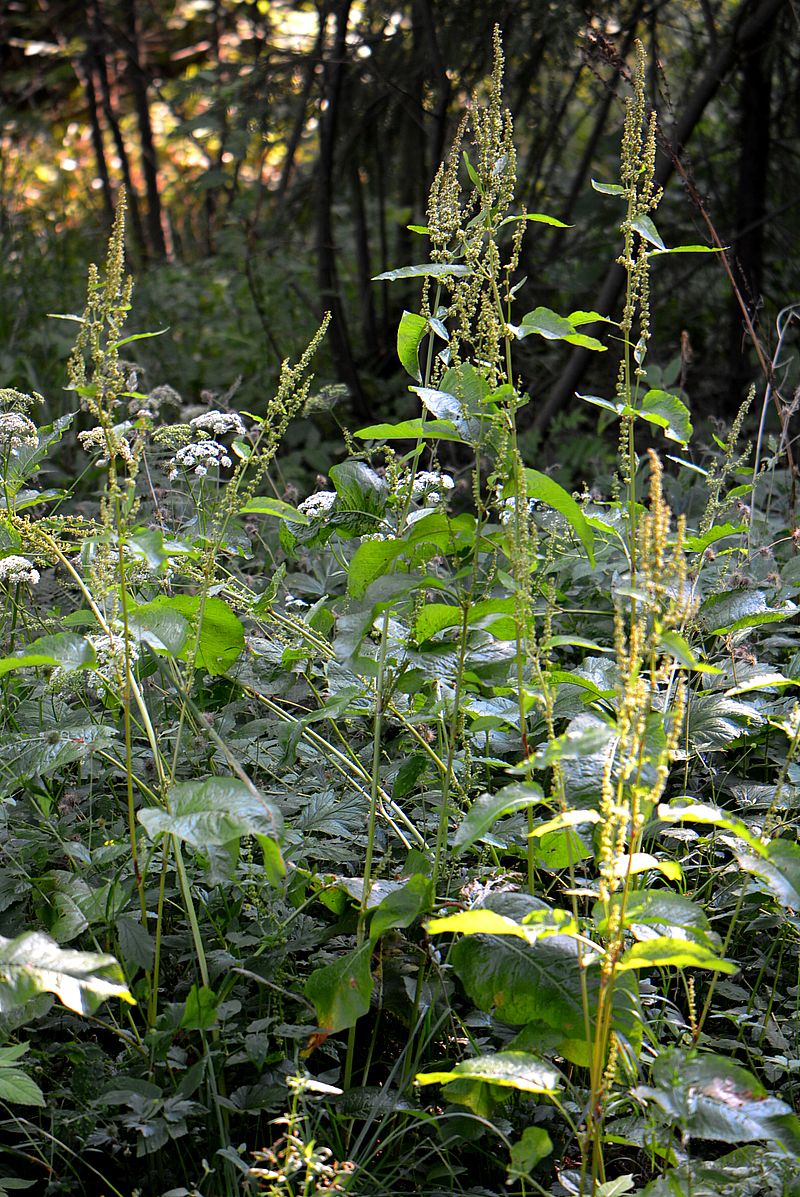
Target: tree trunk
(327, 271)
(747, 257)
(749, 23)
(155, 228)
(99, 68)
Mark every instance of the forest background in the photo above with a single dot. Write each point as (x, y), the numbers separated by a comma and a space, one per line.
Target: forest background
(274, 154)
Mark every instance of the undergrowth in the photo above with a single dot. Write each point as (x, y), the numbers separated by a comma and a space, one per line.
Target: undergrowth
(434, 834)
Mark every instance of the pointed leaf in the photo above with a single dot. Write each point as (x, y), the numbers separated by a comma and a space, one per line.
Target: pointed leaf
(488, 808)
(216, 811)
(411, 330)
(340, 992)
(33, 963)
(669, 413)
(547, 490)
(513, 1070)
(426, 269)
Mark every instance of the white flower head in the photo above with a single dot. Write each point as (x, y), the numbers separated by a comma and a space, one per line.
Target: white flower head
(198, 458)
(219, 423)
(315, 506)
(428, 485)
(97, 438)
(17, 430)
(15, 569)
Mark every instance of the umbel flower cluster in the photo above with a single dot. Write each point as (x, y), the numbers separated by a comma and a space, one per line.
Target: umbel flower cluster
(17, 430)
(207, 453)
(16, 569)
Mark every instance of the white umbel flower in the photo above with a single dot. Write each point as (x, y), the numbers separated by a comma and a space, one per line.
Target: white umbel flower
(428, 486)
(17, 430)
(219, 423)
(315, 506)
(198, 459)
(15, 569)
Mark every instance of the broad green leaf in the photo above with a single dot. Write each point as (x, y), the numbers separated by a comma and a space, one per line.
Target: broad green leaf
(547, 490)
(411, 330)
(483, 921)
(608, 188)
(666, 952)
(656, 912)
(411, 430)
(738, 609)
(64, 649)
(16, 1087)
(579, 317)
(686, 249)
(646, 229)
(560, 849)
(362, 497)
(371, 560)
(688, 811)
(573, 642)
(567, 818)
(677, 647)
(576, 742)
(435, 617)
(40, 753)
(513, 1070)
(214, 811)
(534, 1146)
(669, 413)
(267, 505)
(542, 983)
(426, 269)
(340, 992)
(615, 1188)
(538, 218)
(219, 637)
(642, 862)
(403, 906)
(711, 1097)
(199, 1009)
(779, 872)
(33, 963)
(698, 544)
(450, 408)
(546, 323)
(488, 808)
(765, 679)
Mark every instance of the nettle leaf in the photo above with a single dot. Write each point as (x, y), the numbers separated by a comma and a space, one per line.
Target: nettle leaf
(488, 808)
(451, 409)
(668, 412)
(15, 1085)
(33, 963)
(211, 628)
(711, 1097)
(608, 188)
(24, 755)
(512, 1070)
(537, 218)
(548, 491)
(698, 544)
(340, 992)
(213, 812)
(425, 270)
(738, 609)
(410, 331)
(482, 921)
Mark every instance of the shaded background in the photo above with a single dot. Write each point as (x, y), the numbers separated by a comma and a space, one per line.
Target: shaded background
(274, 152)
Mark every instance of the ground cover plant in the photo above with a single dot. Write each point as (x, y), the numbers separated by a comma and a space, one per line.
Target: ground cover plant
(433, 832)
